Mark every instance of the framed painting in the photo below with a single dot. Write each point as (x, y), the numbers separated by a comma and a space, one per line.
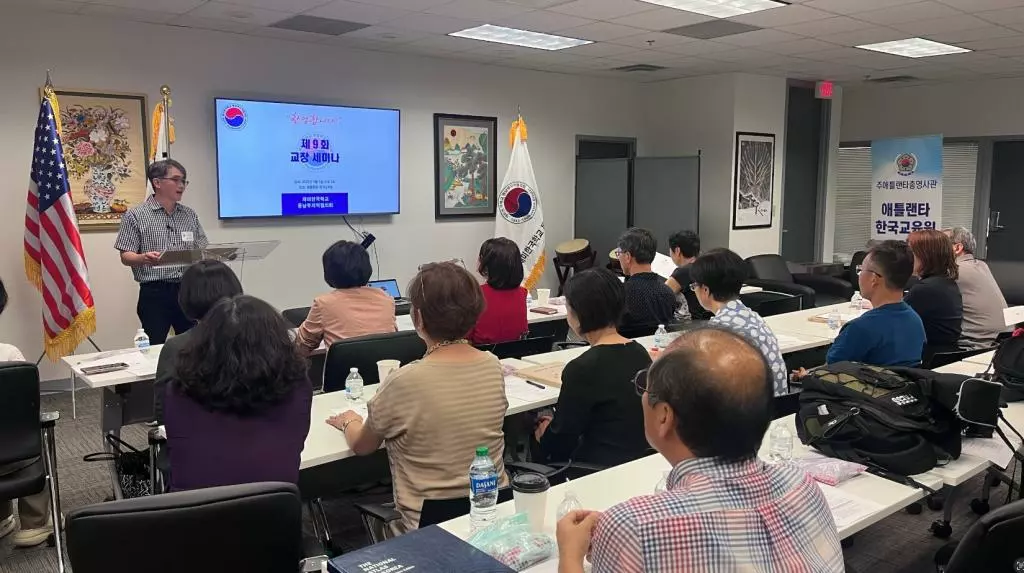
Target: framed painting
(106, 150)
(465, 176)
(753, 180)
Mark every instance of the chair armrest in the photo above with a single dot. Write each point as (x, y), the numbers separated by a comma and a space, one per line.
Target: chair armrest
(384, 512)
(825, 284)
(564, 345)
(806, 292)
(515, 466)
(157, 436)
(48, 419)
(313, 564)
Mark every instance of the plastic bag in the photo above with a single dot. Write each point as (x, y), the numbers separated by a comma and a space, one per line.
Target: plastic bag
(830, 471)
(510, 541)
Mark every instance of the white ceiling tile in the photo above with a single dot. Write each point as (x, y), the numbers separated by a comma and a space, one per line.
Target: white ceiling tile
(758, 38)
(236, 13)
(1005, 52)
(603, 9)
(995, 43)
(661, 19)
(834, 54)
(600, 31)
(876, 61)
(538, 4)
(639, 57)
(799, 47)
(386, 35)
(697, 48)
(542, 21)
(132, 14)
(289, 35)
(1003, 17)
(652, 40)
(555, 58)
(61, 6)
(949, 24)
(291, 6)
(975, 34)
(348, 41)
(412, 5)
(357, 12)
(432, 23)
(981, 5)
(187, 21)
(483, 10)
(908, 13)
(173, 6)
(741, 55)
(867, 36)
(822, 28)
(445, 44)
(599, 50)
(782, 16)
(854, 6)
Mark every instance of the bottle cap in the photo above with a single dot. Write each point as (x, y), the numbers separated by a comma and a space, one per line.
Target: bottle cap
(481, 450)
(353, 370)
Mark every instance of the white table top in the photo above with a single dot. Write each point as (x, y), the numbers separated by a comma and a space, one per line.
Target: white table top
(142, 366)
(984, 359)
(799, 323)
(405, 321)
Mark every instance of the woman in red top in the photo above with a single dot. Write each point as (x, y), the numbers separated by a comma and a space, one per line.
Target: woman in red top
(504, 316)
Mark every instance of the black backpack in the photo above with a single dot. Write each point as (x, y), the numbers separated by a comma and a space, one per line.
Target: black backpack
(1008, 368)
(877, 417)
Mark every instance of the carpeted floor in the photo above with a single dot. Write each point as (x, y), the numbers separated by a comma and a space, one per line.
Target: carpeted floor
(899, 544)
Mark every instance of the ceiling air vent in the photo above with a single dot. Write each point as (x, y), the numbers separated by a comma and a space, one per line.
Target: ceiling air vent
(639, 68)
(892, 80)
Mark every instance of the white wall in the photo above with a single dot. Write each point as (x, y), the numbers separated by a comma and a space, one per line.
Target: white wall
(966, 109)
(101, 54)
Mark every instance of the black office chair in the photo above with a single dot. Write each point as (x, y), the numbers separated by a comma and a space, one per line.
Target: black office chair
(377, 516)
(28, 458)
(296, 316)
(771, 273)
(363, 352)
(767, 303)
(935, 357)
(520, 348)
(991, 544)
(251, 527)
(638, 330)
(855, 262)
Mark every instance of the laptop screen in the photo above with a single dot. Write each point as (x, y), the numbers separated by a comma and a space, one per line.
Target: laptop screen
(389, 286)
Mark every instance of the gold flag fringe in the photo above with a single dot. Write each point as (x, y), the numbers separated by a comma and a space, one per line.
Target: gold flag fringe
(519, 125)
(68, 340)
(33, 272)
(536, 272)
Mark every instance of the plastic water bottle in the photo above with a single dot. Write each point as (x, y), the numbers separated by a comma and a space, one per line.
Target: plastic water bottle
(661, 337)
(780, 443)
(662, 485)
(856, 301)
(141, 341)
(483, 490)
(569, 504)
(354, 384)
(834, 319)
(529, 300)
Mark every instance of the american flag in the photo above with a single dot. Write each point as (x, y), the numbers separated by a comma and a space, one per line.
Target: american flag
(54, 259)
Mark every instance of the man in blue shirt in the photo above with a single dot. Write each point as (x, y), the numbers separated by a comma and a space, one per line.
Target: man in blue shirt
(891, 333)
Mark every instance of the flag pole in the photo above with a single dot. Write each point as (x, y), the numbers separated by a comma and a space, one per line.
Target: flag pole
(165, 95)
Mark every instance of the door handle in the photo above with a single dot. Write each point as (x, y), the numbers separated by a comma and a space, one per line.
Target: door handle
(993, 222)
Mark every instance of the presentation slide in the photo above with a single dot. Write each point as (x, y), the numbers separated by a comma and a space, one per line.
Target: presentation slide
(292, 160)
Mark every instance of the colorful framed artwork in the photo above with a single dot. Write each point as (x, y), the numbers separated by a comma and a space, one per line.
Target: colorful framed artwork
(753, 181)
(465, 176)
(106, 149)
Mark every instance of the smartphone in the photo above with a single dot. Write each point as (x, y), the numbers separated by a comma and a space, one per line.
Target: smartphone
(544, 310)
(104, 368)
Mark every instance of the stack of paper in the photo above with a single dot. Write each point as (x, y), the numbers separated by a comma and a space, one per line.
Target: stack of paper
(519, 389)
(663, 265)
(847, 509)
(547, 374)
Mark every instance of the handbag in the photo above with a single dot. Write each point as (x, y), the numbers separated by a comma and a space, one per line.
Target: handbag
(131, 466)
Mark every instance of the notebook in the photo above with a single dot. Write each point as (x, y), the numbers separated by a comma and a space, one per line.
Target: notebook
(427, 550)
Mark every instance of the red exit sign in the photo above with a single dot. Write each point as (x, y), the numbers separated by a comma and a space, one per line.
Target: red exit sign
(824, 90)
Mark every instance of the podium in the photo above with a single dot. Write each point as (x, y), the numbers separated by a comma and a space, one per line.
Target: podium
(224, 252)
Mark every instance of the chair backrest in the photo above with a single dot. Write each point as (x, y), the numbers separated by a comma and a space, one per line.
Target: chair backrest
(19, 412)
(252, 527)
(520, 348)
(1009, 276)
(636, 331)
(767, 303)
(992, 543)
(771, 267)
(855, 262)
(363, 352)
(441, 510)
(935, 357)
(296, 316)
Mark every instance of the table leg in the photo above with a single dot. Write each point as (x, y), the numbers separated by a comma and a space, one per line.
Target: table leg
(74, 403)
(111, 409)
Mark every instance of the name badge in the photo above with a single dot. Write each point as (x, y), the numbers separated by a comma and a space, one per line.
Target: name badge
(187, 236)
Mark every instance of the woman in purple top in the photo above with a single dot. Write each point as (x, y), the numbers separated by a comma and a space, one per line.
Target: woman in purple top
(237, 410)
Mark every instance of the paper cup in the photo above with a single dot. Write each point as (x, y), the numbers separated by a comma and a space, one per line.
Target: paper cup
(543, 294)
(530, 492)
(386, 367)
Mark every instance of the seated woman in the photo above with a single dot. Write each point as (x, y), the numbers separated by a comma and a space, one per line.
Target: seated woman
(504, 316)
(718, 276)
(237, 409)
(352, 308)
(433, 413)
(203, 284)
(935, 297)
(598, 419)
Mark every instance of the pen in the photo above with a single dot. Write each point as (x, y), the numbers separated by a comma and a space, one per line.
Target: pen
(534, 384)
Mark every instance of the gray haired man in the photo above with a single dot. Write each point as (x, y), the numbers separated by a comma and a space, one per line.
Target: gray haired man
(983, 301)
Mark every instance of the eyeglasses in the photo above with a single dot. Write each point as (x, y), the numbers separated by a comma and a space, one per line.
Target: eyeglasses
(867, 270)
(640, 382)
(694, 286)
(176, 180)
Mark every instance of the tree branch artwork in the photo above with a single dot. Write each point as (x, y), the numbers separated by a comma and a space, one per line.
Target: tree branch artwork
(755, 170)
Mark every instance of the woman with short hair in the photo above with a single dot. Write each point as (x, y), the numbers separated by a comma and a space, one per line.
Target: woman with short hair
(237, 410)
(352, 308)
(432, 414)
(598, 419)
(936, 297)
(504, 315)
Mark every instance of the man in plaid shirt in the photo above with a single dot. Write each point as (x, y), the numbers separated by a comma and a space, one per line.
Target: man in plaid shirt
(707, 405)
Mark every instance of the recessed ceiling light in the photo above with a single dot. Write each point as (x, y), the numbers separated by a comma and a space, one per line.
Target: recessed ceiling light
(914, 48)
(514, 37)
(719, 8)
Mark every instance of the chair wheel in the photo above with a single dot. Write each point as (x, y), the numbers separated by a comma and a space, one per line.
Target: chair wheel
(941, 529)
(934, 503)
(980, 506)
(51, 541)
(914, 509)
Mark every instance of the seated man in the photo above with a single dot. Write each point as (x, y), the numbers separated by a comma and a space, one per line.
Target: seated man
(649, 302)
(684, 247)
(891, 333)
(707, 406)
(983, 301)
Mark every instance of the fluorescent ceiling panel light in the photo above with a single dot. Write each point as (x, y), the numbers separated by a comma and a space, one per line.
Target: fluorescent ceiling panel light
(719, 8)
(914, 48)
(514, 37)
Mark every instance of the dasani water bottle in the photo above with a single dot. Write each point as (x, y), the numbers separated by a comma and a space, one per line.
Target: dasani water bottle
(661, 337)
(141, 340)
(354, 384)
(780, 443)
(483, 490)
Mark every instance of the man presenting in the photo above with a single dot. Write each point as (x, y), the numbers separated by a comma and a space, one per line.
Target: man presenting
(159, 224)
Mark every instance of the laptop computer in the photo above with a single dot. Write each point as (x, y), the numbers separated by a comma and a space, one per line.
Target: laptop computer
(390, 286)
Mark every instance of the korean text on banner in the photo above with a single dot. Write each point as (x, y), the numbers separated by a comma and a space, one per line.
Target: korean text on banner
(906, 192)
